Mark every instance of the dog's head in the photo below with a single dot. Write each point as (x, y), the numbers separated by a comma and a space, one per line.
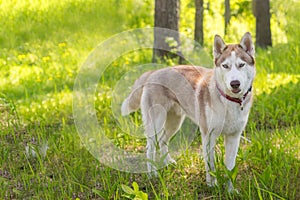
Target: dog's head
(234, 65)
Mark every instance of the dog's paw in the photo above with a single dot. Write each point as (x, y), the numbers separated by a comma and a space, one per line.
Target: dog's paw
(153, 174)
(212, 182)
(231, 189)
(171, 161)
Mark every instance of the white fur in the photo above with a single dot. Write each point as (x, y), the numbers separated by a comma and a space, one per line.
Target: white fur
(168, 95)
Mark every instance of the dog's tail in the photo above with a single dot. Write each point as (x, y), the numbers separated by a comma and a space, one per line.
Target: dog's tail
(132, 102)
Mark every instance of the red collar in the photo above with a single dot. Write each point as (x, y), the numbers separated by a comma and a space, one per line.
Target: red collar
(234, 99)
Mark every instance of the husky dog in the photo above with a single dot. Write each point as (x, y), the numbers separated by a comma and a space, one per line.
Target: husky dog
(218, 100)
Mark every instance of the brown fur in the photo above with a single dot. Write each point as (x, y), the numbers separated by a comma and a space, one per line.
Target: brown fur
(171, 94)
(196, 75)
(191, 73)
(240, 52)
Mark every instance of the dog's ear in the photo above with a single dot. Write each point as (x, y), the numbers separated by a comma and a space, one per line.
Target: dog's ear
(219, 45)
(247, 44)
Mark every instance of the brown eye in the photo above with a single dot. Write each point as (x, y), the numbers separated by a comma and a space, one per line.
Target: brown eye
(241, 65)
(225, 66)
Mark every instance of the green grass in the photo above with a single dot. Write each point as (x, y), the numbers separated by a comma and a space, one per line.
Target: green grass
(43, 44)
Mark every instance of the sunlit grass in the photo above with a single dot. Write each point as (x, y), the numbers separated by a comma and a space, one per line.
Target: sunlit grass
(267, 83)
(50, 108)
(43, 44)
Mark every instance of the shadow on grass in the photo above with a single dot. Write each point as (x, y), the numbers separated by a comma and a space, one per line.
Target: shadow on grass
(270, 165)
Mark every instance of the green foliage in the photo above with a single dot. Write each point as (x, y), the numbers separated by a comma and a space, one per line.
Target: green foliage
(43, 43)
(135, 193)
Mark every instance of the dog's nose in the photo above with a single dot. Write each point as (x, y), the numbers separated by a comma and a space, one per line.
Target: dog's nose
(235, 84)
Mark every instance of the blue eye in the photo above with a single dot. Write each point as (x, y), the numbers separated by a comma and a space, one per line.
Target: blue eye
(225, 66)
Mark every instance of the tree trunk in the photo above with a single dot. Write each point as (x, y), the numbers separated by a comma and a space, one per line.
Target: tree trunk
(263, 29)
(166, 16)
(199, 22)
(227, 15)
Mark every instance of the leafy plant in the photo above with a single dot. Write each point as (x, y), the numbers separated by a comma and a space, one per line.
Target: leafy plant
(134, 193)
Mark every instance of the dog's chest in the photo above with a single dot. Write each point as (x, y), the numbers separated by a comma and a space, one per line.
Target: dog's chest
(235, 121)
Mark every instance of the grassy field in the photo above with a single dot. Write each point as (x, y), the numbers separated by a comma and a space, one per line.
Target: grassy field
(44, 43)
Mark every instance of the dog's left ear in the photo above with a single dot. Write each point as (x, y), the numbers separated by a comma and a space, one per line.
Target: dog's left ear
(247, 44)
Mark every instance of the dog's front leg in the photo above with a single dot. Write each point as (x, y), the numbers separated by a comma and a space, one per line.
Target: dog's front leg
(208, 146)
(231, 148)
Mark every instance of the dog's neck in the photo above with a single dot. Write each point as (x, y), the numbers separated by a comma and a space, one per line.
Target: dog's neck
(240, 101)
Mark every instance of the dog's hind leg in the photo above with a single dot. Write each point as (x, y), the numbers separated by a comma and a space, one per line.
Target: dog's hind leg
(173, 123)
(154, 118)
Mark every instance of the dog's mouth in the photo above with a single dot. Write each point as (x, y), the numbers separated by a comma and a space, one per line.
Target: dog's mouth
(235, 90)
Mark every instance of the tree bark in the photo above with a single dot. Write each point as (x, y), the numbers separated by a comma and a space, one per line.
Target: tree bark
(227, 15)
(199, 22)
(166, 16)
(263, 25)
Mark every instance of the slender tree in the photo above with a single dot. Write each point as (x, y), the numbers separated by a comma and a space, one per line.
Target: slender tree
(199, 22)
(263, 25)
(227, 15)
(166, 16)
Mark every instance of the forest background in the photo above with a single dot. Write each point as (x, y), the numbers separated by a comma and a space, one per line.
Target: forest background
(44, 43)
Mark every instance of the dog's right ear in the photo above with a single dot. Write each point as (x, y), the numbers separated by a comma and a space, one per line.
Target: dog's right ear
(219, 45)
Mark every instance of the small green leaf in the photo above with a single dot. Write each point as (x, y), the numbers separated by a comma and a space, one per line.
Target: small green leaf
(142, 195)
(127, 196)
(127, 189)
(135, 187)
(234, 174)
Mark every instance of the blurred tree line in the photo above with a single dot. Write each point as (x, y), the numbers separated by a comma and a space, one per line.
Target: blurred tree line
(167, 15)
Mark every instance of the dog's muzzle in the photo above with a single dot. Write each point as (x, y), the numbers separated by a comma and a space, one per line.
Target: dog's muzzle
(235, 85)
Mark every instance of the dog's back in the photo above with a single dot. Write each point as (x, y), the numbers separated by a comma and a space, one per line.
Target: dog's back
(172, 80)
